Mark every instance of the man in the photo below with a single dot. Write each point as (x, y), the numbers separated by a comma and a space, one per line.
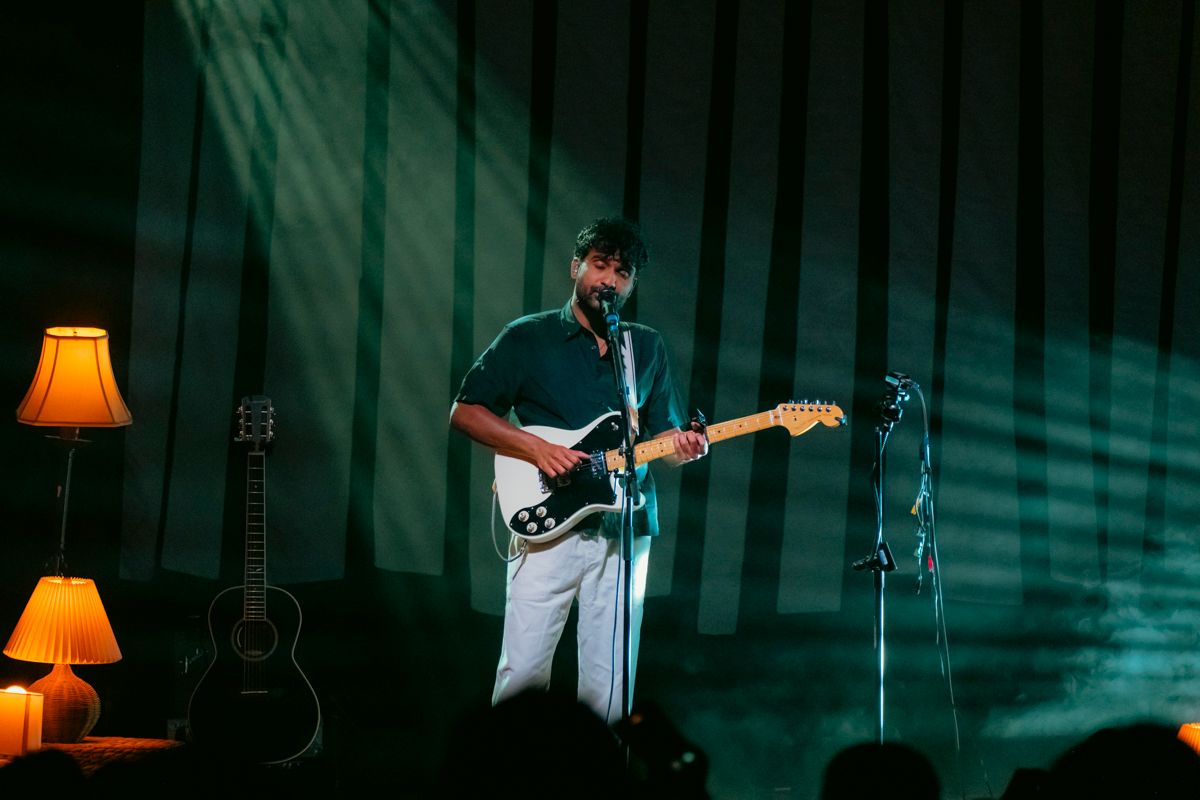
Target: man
(555, 369)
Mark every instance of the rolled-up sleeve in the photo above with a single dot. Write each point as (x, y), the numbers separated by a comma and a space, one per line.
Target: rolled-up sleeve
(494, 379)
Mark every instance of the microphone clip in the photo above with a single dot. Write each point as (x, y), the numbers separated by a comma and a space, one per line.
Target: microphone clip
(890, 407)
(880, 561)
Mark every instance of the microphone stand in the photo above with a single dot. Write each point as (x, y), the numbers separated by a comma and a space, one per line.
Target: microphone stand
(880, 561)
(612, 334)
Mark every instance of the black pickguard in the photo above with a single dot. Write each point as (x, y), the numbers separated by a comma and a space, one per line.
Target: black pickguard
(586, 485)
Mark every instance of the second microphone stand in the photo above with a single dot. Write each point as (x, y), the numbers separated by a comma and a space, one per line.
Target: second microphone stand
(880, 561)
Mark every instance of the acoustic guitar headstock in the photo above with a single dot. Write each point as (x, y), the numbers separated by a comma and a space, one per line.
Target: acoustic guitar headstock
(255, 421)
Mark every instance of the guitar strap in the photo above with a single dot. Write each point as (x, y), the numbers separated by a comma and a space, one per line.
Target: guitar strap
(630, 380)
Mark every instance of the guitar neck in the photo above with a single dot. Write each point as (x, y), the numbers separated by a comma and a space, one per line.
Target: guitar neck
(659, 448)
(255, 579)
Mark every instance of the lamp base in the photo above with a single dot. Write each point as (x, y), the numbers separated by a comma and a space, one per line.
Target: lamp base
(71, 706)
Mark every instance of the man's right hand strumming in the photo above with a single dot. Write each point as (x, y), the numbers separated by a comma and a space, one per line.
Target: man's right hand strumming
(554, 459)
(499, 434)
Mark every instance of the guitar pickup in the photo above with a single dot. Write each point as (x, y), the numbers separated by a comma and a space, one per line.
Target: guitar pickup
(597, 466)
(548, 484)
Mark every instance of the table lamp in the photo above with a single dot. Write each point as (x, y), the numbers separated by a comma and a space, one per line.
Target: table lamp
(64, 622)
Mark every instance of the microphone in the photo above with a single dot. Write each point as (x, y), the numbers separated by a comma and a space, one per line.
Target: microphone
(900, 380)
(608, 304)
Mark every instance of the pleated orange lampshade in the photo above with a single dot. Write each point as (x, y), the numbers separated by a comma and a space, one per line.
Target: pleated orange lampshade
(64, 623)
(1189, 734)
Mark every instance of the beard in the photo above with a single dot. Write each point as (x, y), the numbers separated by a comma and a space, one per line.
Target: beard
(591, 299)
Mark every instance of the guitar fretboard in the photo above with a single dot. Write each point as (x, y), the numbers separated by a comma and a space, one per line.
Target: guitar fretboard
(256, 536)
(658, 448)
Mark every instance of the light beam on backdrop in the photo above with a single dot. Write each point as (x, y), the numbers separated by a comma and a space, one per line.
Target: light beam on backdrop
(64, 621)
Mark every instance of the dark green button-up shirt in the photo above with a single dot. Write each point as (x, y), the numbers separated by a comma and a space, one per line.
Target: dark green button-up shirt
(546, 368)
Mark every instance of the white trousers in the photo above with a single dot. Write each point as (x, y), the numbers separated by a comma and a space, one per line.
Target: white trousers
(542, 584)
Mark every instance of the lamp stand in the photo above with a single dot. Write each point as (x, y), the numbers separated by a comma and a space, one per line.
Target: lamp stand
(70, 439)
(71, 705)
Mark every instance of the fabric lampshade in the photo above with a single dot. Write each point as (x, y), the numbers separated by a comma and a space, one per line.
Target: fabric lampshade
(64, 623)
(1189, 734)
(74, 386)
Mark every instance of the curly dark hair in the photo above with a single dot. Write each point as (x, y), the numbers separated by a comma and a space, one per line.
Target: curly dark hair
(614, 236)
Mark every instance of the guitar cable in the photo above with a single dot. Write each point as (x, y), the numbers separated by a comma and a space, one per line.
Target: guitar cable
(617, 633)
(927, 540)
(521, 548)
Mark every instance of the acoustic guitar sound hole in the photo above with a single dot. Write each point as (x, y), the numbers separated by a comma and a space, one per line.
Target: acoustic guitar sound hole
(254, 639)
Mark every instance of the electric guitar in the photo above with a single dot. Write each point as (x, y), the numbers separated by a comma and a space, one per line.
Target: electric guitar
(253, 703)
(539, 508)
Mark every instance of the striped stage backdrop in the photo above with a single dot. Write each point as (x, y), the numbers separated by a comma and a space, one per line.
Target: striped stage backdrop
(340, 204)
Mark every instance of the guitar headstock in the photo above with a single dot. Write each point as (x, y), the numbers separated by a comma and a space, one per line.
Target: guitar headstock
(800, 417)
(256, 421)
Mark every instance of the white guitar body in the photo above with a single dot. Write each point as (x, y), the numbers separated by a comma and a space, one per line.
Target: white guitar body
(538, 508)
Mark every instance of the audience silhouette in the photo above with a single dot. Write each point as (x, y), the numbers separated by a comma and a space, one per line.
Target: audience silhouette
(42, 773)
(544, 745)
(1143, 760)
(887, 771)
(534, 745)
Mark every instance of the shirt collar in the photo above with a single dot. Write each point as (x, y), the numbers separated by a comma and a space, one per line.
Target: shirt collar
(570, 325)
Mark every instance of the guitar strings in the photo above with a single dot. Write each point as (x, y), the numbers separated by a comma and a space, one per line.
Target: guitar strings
(254, 599)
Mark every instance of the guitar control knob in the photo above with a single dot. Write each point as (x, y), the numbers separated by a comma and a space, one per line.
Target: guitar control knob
(549, 523)
(523, 516)
(531, 527)
(541, 511)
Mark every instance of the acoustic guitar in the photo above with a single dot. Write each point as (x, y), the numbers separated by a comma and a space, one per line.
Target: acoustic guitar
(254, 704)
